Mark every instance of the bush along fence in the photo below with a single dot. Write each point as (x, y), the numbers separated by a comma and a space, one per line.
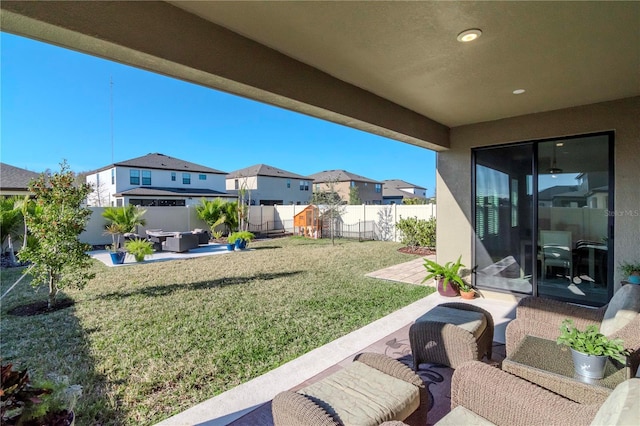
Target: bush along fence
(364, 222)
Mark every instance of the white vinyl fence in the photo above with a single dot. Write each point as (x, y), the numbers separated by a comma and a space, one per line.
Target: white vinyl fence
(374, 222)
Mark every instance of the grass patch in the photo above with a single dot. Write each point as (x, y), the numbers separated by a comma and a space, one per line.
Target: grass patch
(150, 340)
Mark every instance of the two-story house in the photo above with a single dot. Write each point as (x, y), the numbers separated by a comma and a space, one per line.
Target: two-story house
(396, 190)
(155, 180)
(268, 185)
(369, 190)
(14, 180)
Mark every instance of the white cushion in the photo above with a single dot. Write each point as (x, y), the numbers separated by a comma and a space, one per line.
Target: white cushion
(622, 309)
(622, 407)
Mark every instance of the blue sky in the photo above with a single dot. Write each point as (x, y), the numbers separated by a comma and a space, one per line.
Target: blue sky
(55, 105)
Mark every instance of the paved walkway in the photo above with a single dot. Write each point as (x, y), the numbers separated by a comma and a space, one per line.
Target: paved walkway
(237, 402)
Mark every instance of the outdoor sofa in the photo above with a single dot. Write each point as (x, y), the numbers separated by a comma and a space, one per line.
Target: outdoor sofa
(484, 395)
(619, 319)
(180, 242)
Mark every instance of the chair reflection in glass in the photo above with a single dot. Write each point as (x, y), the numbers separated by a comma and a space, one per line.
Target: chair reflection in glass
(556, 251)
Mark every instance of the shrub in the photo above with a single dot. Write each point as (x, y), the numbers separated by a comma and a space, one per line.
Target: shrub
(418, 232)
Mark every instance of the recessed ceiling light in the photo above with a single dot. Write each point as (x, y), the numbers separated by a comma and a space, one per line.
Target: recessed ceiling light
(469, 35)
(519, 91)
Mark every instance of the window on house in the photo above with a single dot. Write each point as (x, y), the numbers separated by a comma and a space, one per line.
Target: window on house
(134, 177)
(202, 177)
(186, 178)
(378, 187)
(365, 184)
(304, 185)
(113, 176)
(146, 177)
(173, 176)
(288, 183)
(353, 184)
(236, 184)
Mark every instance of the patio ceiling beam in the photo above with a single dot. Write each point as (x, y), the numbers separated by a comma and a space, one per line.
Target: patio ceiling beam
(162, 38)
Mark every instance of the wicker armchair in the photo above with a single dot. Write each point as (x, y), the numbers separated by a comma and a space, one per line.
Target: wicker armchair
(356, 395)
(541, 317)
(484, 395)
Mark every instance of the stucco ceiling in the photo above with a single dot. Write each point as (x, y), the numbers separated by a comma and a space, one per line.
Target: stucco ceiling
(563, 54)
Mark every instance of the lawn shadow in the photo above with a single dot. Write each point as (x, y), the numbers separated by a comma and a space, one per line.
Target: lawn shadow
(266, 247)
(163, 290)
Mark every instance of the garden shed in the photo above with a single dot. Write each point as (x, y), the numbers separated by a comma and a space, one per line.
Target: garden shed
(308, 223)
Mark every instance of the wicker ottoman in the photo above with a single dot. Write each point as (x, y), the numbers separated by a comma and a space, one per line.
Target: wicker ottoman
(451, 334)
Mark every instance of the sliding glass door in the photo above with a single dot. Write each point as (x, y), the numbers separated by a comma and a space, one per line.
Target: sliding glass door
(541, 222)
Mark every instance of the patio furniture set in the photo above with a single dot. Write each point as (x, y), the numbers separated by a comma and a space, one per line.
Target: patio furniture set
(536, 384)
(178, 242)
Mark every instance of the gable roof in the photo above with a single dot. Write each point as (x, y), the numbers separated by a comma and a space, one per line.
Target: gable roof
(12, 177)
(339, 176)
(160, 161)
(264, 170)
(397, 183)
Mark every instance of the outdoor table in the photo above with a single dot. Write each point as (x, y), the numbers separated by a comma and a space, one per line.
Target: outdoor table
(550, 365)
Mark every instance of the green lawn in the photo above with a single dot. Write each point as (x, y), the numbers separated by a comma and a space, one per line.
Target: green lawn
(150, 340)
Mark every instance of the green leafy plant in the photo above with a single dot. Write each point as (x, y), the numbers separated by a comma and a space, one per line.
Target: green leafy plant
(121, 220)
(246, 236)
(449, 272)
(214, 213)
(59, 258)
(628, 268)
(216, 235)
(139, 248)
(591, 341)
(49, 402)
(417, 232)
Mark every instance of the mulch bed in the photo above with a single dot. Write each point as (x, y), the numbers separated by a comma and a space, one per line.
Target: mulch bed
(40, 307)
(420, 251)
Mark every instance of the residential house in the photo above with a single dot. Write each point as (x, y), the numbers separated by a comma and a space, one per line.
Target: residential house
(155, 180)
(15, 181)
(491, 95)
(369, 190)
(268, 185)
(396, 190)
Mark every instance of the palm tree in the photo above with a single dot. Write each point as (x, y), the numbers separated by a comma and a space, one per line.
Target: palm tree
(10, 224)
(231, 215)
(212, 212)
(126, 218)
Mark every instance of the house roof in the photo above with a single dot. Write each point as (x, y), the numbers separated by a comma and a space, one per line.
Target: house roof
(154, 191)
(549, 193)
(162, 162)
(399, 193)
(397, 183)
(264, 170)
(15, 178)
(339, 176)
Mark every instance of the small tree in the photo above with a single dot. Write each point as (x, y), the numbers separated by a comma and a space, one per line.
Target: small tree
(213, 212)
(331, 206)
(354, 196)
(59, 258)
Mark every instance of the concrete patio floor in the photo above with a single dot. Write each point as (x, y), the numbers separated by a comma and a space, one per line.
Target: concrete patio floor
(160, 256)
(243, 399)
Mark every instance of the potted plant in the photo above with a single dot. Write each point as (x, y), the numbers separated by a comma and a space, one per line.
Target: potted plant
(590, 349)
(445, 274)
(632, 271)
(467, 291)
(48, 403)
(139, 248)
(240, 239)
(115, 230)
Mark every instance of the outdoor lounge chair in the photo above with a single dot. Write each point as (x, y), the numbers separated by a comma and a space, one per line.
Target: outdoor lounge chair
(180, 242)
(370, 391)
(541, 317)
(483, 395)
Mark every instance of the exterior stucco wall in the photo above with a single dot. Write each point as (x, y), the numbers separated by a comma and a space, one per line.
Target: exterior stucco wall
(453, 180)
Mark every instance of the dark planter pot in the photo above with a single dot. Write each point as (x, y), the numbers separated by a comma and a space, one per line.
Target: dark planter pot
(451, 291)
(117, 258)
(589, 366)
(230, 247)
